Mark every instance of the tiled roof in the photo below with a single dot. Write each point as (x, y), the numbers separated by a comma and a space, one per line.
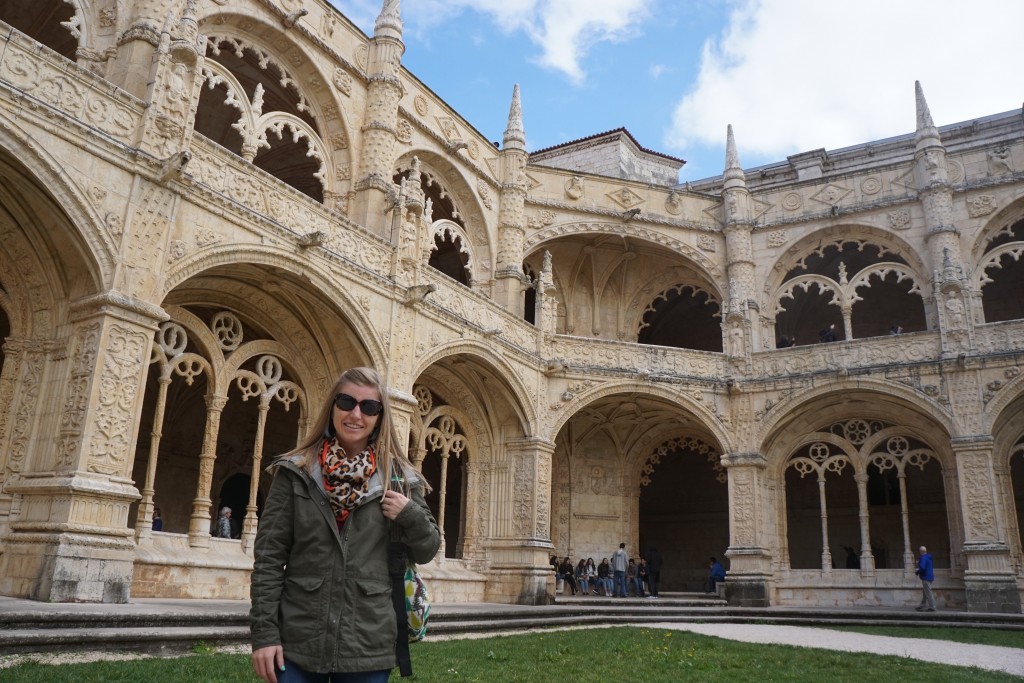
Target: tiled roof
(610, 133)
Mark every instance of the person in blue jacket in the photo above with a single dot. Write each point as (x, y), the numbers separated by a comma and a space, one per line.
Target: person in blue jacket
(926, 573)
(716, 575)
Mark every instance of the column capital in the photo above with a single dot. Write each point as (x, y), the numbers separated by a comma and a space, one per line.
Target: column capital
(970, 444)
(751, 459)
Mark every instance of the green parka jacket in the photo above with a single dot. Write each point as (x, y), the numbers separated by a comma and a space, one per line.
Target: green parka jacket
(325, 596)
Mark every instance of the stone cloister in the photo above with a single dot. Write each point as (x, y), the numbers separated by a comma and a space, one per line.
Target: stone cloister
(209, 209)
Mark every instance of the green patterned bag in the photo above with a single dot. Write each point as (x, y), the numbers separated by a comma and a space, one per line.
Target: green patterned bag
(417, 603)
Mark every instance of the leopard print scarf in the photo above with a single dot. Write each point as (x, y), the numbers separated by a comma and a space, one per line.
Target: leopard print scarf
(346, 478)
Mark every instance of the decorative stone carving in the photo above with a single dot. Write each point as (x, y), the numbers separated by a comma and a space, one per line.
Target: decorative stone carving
(77, 93)
(871, 185)
(706, 243)
(327, 25)
(674, 203)
(792, 201)
(485, 194)
(339, 141)
(342, 82)
(999, 161)
(108, 17)
(404, 131)
(574, 187)
(776, 238)
(981, 205)
(542, 219)
(831, 194)
(448, 127)
(84, 349)
(420, 104)
(899, 219)
(956, 170)
(977, 486)
(625, 197)
(126, 351)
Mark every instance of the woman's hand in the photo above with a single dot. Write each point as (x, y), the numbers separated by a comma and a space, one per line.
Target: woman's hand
(392, 504)
(266, 661)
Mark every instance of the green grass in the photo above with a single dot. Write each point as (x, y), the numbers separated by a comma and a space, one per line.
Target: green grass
(581, 656)
(974, 636)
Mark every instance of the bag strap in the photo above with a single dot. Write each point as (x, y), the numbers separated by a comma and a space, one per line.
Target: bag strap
(397, 564)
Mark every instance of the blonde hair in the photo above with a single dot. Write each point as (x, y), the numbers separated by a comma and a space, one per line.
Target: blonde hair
(391, 458)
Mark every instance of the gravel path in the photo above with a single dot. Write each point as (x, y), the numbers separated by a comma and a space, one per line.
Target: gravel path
(992, 657)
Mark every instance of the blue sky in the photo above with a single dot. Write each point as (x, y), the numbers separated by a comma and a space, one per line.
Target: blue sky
(789, 75)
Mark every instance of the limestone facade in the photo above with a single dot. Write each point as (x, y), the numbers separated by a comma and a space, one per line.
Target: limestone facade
(208, 210)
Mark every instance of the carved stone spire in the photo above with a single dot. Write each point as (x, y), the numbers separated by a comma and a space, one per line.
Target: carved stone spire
(732, 157)
(927, 134)
(389, 22)
(733, 174)
(515, 137)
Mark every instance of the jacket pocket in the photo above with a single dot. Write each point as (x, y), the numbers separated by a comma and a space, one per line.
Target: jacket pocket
(301, 605)
(375, 616)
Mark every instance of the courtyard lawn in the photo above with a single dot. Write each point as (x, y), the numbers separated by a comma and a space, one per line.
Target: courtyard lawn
(578, 656)
(974, 636)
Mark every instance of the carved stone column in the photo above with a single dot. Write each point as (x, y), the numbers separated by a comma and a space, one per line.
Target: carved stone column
(137, 44)
(989, 582)
(69, 540)
(173, 89)
(949, 282)
(867, 558)
(380, 121)
(510, 281)
(546, 316)
(199, 521)
(749, 583)
(520, 561)
(737, 228)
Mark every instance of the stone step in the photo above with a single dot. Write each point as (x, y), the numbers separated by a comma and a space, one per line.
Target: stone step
(39, 631)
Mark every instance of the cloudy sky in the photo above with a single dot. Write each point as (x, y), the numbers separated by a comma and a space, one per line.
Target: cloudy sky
(789, 75)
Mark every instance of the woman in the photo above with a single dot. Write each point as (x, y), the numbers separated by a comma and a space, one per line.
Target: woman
(568, 574)
(581, 577)
(604, 579)
(592, 575)
(321, 593)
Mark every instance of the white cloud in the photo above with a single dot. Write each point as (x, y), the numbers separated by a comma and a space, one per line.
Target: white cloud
(564, 30)
(658, 70)
(796, 75)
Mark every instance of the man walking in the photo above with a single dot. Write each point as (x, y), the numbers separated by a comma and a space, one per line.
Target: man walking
(653, 571)
(926, 573)
(620, 560)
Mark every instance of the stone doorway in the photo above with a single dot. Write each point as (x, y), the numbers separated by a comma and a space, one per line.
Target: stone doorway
(684, 511)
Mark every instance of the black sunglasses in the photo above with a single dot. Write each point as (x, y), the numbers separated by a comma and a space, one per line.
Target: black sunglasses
(368, 406)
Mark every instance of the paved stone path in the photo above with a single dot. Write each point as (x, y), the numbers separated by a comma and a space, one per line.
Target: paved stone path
(992, 657)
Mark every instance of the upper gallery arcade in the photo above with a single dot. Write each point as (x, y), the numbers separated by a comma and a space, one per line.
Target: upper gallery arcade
(209, 209)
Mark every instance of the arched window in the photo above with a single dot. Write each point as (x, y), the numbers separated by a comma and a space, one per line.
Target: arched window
(52, 23)
(252, 106)
(1002, 274)
(683, 316)
(861, 288)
